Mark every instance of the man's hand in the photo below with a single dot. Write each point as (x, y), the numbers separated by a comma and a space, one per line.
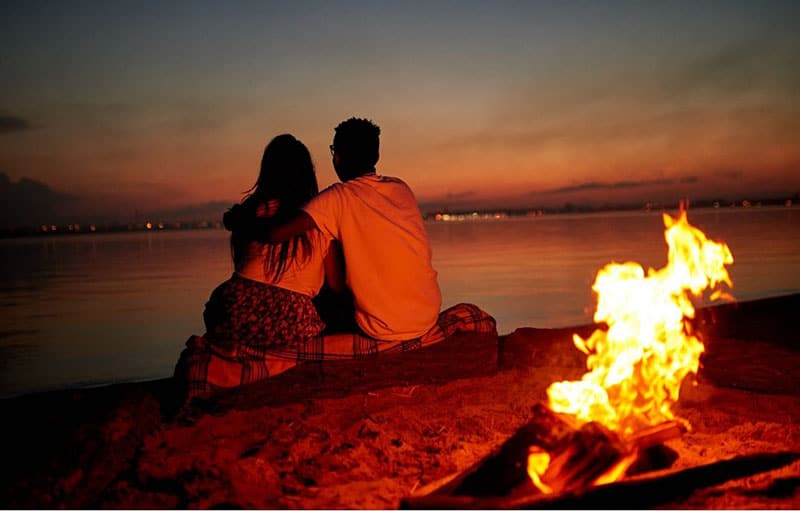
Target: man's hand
(301, 223)
(268, 209)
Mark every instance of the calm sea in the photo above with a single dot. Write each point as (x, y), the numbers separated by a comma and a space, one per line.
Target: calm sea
(94, 309)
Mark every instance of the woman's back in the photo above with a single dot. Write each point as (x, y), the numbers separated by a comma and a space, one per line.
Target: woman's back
(264, 312)
(303, 273)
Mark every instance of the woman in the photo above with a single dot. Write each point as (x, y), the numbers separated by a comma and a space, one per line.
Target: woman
(258, 320)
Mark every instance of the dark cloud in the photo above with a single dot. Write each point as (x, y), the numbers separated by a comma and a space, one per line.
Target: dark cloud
(28, 202)
(13, 124)
(461, 195)
(728, 174)
(619, 185)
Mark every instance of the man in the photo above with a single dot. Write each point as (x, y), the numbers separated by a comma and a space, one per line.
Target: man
(377, 220)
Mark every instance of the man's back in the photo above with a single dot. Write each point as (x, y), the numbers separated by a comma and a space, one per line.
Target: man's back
(386, 251)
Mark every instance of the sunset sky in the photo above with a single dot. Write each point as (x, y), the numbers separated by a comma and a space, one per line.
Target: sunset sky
(145, 106)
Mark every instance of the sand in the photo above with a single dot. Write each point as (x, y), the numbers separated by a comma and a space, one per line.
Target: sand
(120, 447)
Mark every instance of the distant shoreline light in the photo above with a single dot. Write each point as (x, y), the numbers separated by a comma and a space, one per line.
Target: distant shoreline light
(471, 215)
(50, 229)
(437, 216)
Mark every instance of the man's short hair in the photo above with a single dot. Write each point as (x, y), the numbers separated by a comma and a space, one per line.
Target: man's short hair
(358, 141)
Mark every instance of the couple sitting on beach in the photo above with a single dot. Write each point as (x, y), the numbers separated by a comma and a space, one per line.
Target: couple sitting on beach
(344, 273)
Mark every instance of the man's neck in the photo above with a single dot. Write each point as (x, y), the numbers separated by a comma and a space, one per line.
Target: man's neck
(372, 172)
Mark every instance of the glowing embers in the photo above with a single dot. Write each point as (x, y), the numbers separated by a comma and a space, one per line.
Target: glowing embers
(637, 364)
(592, 455)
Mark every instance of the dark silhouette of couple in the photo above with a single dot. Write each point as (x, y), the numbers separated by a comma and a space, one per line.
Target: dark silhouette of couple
(339, 274)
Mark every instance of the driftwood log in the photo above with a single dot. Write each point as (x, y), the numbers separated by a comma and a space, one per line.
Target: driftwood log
(766, 320)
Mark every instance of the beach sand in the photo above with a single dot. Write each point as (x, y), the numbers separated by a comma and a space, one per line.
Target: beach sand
(370, 446)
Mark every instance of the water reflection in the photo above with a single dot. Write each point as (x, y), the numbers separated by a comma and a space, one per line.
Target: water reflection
(104, 307)
(539, 271)
(112, 307)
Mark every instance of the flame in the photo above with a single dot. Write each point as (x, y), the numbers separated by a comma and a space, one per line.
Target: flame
(538, 461)
(637, 365)
(617, 470)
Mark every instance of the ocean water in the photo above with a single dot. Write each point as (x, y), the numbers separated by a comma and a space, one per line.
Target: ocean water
(93, 309)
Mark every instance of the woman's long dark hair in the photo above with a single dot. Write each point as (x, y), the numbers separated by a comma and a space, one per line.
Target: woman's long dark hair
(287, 176)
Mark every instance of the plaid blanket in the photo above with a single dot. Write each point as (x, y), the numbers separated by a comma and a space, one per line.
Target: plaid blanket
(205, 366)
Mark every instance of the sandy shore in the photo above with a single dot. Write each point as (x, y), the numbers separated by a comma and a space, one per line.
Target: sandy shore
(369, 446)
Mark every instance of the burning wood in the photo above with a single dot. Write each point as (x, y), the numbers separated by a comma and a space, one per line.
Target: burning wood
(592, 452)
(577, 457)
(595, 455)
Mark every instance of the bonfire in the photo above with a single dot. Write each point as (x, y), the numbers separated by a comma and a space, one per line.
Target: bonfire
(636, 365)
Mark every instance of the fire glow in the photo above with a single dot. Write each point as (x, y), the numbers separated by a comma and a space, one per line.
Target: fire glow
(637, 365)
